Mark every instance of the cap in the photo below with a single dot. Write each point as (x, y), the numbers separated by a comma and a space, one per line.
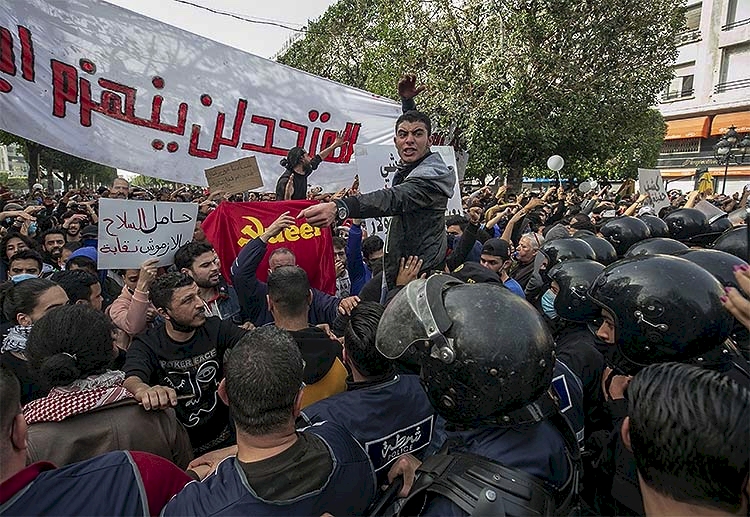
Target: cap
(37, 186)
(91, 231)
(496, 248)
(86, 251)
(12, 206)
(473, 273)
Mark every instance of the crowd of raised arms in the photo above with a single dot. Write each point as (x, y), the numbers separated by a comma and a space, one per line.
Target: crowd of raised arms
(567, 351)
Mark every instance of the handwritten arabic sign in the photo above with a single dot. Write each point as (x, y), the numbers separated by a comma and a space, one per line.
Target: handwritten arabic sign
(235, 177)
(377, 166)
(131, 232)
(115, 87)
(651, 183)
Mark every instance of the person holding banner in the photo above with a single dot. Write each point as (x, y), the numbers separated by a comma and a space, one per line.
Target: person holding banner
(299, 165)
(417, 200)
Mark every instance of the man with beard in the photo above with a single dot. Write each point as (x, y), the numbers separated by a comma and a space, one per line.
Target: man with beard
(72, 228)
(52, 241)
(120, 189)
(199, 261)
(180, 364)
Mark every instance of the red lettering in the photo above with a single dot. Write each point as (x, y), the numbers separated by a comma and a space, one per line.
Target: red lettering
(7, 58)
(27, 54)
(64, 88)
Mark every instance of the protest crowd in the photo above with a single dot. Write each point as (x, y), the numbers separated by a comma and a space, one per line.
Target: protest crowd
(565, 351)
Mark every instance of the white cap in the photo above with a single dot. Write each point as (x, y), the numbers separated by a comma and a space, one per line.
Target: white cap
(37, 186)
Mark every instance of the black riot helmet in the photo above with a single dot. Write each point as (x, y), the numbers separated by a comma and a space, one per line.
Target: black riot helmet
(657, 245)
(686, 223)
(720, 225)
(656, 226)
(560, 250)
(734, 242)
(605, 252)
(623, 232)
(574, 277)
(664, 308)
(719, 263)
(477, 365)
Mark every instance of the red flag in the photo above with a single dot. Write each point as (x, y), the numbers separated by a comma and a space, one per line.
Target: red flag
(232, 225)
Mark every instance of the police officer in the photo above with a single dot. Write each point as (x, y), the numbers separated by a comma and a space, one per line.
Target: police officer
(388, 413)
(655, 309)
(488, 374)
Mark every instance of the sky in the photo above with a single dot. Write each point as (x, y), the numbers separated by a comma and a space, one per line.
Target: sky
(263, 40)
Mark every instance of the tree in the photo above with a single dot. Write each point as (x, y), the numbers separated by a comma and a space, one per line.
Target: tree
(69, 169)
(523, 79)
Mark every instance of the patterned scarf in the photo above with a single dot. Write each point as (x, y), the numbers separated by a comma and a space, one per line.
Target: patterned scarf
(81, 396)
(15, 341)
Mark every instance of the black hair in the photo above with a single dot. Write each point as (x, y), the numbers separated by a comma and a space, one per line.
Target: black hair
(14, 235)
(51, 231)
(22, 297)
(187, 254)
(415, 116)
(263, 375)
(688, 431)
(81, 262)
(76, 283)
(582, 222)
(370, 245)
(359, 340)
(70, 343)
(288, 289)
(339, 242)
(73, 245)
(28, 254)
(293, 157)
(163, 288)
(457, 220)
(10, 400)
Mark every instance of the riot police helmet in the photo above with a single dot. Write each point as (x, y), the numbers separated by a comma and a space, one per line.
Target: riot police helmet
(574, 278)
(623, 232)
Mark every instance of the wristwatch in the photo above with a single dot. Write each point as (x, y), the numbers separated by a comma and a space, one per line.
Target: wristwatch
(342, 211)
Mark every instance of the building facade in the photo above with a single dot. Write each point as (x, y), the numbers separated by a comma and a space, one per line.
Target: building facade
(710, 92)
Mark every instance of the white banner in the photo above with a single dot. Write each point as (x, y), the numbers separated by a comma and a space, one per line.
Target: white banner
(115, 87)
(650, 182)
(376, 165)
(131, 232)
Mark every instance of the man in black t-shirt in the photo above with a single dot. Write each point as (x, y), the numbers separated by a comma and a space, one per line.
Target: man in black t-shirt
(299, 165)
(184, 358)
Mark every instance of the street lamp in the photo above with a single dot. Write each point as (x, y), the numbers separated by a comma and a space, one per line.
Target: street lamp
(730, 149)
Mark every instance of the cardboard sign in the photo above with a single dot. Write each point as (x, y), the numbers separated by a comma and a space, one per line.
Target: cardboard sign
(650, 182)
(131, 232)
(235, 177)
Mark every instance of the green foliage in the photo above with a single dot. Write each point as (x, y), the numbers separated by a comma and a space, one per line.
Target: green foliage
(523, 79)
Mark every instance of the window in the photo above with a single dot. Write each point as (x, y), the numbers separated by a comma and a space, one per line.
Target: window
(693, 17)
(735, 69)
(738, 14)
(681, 85)
(681, 145)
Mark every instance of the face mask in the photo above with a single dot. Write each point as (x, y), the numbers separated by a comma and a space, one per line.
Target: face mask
(548, 304)
(32, 227)
(23, 276)
(376, 266)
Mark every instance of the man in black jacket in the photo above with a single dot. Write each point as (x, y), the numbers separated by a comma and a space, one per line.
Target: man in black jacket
(417, 200)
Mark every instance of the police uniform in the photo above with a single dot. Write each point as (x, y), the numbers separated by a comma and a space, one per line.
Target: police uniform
(348, 490)
(389, 417)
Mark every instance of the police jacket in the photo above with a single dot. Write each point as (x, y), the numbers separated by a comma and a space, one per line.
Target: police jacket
(252, 292)
(388, 417)
(348, 491)
(417, 201)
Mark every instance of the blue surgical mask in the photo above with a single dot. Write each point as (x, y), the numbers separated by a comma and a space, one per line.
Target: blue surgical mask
(548, 304)
(20, 278)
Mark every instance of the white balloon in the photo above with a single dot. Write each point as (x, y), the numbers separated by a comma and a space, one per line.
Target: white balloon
(555, 162)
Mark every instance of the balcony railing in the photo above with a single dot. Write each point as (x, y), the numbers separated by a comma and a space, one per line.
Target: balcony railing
(732, 85)
(671, 96)
(738, 23)
(689, 36)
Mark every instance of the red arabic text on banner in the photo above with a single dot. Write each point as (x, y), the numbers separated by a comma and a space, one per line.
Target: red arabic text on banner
(232, 225)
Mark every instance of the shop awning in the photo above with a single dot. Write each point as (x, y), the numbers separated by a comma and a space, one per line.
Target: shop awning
(740, 120)
(687, 128)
